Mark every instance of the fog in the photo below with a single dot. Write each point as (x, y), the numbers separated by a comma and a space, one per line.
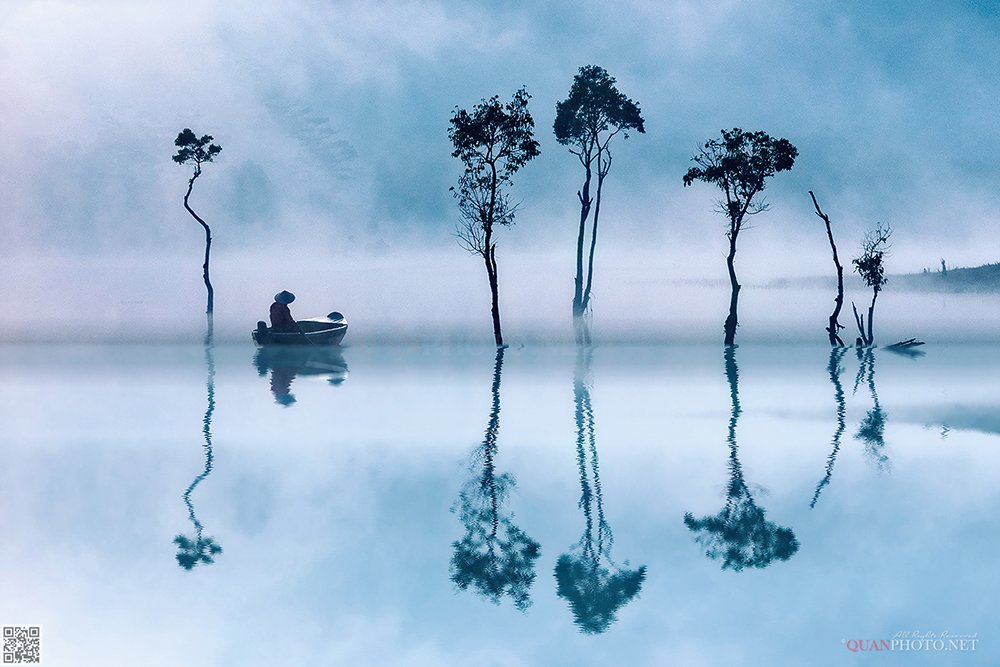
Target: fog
(334, 175)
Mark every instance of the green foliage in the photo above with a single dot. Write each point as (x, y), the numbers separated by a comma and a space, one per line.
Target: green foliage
(594, 106)
(493, 141)
(870, 265)
(739, 164)
(191, 149)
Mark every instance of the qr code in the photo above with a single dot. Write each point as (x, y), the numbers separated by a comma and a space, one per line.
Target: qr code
(22, 645)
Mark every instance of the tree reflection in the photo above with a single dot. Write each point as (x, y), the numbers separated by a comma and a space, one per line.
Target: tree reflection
(871, 430)
(740, 535)
(835, 369)
(586, 577)
(200, 548)
(495, 557)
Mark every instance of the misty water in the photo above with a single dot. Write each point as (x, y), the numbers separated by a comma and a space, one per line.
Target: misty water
(452, 505)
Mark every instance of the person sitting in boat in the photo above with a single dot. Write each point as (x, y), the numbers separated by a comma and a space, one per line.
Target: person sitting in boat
(281, 316)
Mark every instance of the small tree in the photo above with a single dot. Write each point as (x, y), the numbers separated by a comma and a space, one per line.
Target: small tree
(192, 150)
(870, 266)
(493, 142)
(834, 326)
(586, 121)
(739, 164)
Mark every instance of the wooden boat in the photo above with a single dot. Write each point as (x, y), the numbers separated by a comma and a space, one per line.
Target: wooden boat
(321, 331)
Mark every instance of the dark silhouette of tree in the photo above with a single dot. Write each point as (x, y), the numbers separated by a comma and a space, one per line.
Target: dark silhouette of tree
(871, 430)
(870, 266)
(200, 548)
(494, 557)
(493, 142)
(586, 121)
(833, 327)
(739, 164)
(192, 150)
(835, 369)
(586, 577)
(740, 535)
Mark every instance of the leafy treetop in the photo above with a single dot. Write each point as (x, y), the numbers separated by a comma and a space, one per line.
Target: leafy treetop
(739, 164)
(594, 105)
(191, 149)
(494, 137)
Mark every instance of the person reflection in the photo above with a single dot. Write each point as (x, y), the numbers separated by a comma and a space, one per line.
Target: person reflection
(835, 369)
(740, 535)
(871, 430)
(587, 578)
(285, 363)
(494, 557)
(200, 548)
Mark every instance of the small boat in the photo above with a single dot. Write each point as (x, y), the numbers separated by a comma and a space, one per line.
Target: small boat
(322, 331)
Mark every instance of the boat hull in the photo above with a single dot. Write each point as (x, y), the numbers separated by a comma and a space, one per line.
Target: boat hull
(321, 331)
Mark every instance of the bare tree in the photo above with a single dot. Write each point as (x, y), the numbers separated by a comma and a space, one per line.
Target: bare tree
(834, 326)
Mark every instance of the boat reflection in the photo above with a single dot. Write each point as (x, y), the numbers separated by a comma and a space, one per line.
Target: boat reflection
(200, 548)
(286, 362)
(587, 578)
(494, 557)
(740, 535)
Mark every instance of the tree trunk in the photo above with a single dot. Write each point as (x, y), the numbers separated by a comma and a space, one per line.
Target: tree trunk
(732, 321)
(871, 316)
(833, 326)
(208, 245)
(491, 272)
(580, 328)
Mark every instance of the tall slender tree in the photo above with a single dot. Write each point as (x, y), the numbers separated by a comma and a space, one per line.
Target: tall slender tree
(493, 142)
(192, 150)
(587, 120)
(739, 164)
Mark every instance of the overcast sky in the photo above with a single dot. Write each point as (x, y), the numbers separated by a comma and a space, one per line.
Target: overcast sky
(333, 120)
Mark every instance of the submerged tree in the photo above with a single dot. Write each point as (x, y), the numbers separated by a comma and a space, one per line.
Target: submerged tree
(739, 164)
(200, 548)
(870, 266)
(587, 120)
(494, 557)
(586, 577)
(493, 142)
(740, 535)
(192, 150)
(834, 326)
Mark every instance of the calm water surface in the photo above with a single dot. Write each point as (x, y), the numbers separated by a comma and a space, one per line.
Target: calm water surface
(459, 506)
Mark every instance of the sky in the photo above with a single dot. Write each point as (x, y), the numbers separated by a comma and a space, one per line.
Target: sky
(333, 121)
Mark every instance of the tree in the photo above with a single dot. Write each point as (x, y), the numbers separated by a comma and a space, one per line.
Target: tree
(586, 121)
(870, 266)
(192, 150)
(739, 164)
(834, 326)
(493, 142)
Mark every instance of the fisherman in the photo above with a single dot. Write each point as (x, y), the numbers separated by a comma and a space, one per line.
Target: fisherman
(281, 316)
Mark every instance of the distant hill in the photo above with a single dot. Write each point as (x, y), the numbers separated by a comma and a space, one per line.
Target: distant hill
(981, 279)
(984, 278)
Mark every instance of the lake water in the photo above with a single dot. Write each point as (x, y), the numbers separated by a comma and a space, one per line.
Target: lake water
(438, 505)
